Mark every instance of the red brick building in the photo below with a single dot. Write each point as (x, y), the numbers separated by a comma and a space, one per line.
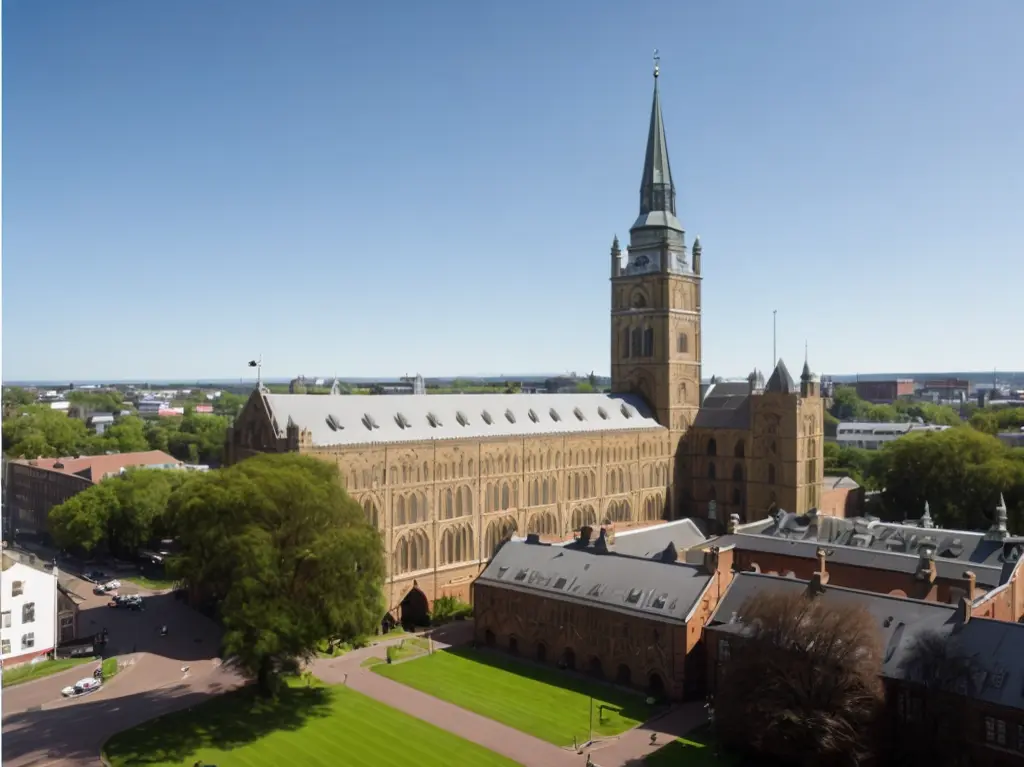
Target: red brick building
(36, 485)
(885, 392)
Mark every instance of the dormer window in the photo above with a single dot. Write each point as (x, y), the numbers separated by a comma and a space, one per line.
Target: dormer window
(603, 413)
(433, 420)
(510, 416)
(633, 597)
(554, 415)
(402, 421)
(461, 418)
(370, 422)
(533, 415)
(334, 423)
(487, 417)
(627, 411)
(579, 414)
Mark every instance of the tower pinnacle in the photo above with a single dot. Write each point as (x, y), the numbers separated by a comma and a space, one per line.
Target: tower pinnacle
(657, 192)
(657, 62)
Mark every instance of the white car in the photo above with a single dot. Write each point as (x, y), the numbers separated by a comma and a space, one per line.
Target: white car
(113, 585)
(81, 687)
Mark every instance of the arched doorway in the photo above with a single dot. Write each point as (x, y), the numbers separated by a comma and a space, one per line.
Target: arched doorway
(594, 668)
(414, 609)
(569, 658)
(623, 675)
(489, 638)
(513, 645)
(542, 652)
(656, 686)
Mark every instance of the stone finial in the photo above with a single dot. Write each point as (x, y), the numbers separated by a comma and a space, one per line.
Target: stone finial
(998, 531)
(926, 518)
(615, 246)
(734, 522)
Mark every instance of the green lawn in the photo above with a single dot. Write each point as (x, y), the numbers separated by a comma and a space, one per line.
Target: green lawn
(153, 584)
(30, 671)
(110, 668)
(310, 726)
(543, 702)
(692, 751)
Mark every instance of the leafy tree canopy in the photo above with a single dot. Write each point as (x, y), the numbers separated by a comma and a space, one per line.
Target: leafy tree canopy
(98, 401)
(40, 431)
(804, 684)
(120, 514)
(284, 552)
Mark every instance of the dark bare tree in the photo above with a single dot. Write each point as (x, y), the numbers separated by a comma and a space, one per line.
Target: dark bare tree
(802, 684)
(938, 678)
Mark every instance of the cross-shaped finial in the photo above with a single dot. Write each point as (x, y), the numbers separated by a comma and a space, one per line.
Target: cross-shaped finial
(657, 62)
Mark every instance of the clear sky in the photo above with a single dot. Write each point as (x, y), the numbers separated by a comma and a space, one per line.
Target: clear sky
(374, 189)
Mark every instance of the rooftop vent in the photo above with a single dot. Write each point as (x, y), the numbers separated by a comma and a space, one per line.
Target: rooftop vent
(402, 421)
(603, 413)
(433, 420)
(334, 423)
(554, 415)
(461, 418)
(533, 415)
(627, 411)
(370, 422)
(579, 414)
(510, 416)
(487, 417)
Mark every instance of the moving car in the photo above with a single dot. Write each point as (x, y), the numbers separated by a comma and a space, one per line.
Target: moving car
(81, 687)
(131, 601)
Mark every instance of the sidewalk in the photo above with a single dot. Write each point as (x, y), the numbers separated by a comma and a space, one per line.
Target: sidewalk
(633, 745)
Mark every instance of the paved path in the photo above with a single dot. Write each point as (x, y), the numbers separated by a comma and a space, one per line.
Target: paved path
(626, 750)
(494, 736)
(40, 728)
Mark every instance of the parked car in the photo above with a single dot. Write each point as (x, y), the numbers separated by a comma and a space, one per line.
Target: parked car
(131, 601)
(81, 687)
(96, 576)
(113, 585)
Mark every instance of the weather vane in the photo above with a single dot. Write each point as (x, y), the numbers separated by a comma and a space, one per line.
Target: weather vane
(657, 62)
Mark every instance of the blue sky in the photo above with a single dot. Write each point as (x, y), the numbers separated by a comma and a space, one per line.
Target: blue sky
(385, 188)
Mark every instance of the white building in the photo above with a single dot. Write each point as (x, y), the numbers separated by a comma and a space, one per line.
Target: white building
(872, 436)
(35, 613)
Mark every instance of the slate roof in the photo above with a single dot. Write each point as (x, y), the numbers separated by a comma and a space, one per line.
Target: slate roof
(655, 590)
(899, 619)
(724, 405)
(868, 542)
(780, 381)
(987, 576)
(995, 647)
(356, 419)
(651, 541)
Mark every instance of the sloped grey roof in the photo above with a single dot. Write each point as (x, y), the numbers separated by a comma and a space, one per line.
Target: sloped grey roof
(807, 548)
(899, 619)
(368, 419)
(651, 541)
(996, 649)
(991, 561)
(662, 591)
(780, 382)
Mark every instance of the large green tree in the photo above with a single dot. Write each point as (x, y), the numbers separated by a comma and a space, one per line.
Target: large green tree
(40, 431)
(288, 558)
(119, 515)
(960, 472)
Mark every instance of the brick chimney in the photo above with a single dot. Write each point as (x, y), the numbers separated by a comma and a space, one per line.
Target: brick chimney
(585, 532)
(970, 583)
(711, 560)
(926, 567)
(822, 572)
(964, 610)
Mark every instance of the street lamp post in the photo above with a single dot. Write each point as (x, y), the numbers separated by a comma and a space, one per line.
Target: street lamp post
(590, 737)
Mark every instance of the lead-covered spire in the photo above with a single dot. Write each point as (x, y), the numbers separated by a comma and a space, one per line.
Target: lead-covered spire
(657, 193)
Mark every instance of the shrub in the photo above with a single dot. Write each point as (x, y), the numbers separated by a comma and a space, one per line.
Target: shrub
(448, 608)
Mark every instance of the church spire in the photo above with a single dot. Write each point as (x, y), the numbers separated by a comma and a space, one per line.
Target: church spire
(657, 193)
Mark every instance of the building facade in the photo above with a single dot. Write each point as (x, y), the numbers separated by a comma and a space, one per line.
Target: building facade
(447, 478)
(885, 392)
(36, 613)
(36, 485)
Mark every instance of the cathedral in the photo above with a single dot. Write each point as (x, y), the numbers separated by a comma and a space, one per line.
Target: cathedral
(446, 478)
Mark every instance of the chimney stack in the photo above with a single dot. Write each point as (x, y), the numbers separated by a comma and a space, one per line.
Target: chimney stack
(926, 566)
(964, 610)
(711, 560)
(585, 532)
(817, 584)
(970, 584)
(822, 573)
(734, 522)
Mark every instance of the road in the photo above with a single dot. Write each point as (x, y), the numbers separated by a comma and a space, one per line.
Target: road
(42, 729)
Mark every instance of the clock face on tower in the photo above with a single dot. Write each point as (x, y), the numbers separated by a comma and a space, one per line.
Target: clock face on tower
(643, 263)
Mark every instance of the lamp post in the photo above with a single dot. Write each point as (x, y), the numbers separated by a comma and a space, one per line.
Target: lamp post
(590, 738)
